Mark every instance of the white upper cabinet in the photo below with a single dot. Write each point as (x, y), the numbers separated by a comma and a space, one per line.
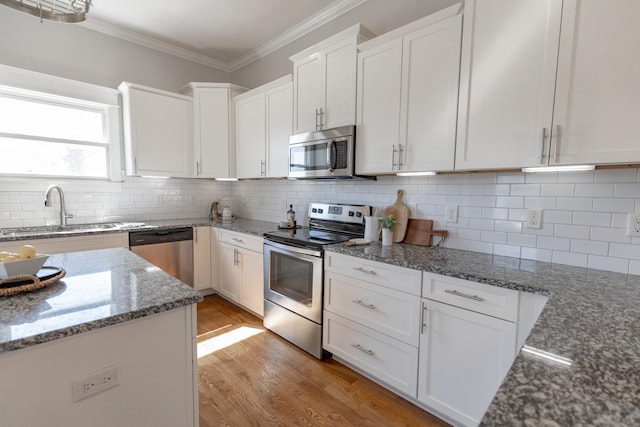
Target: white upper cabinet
(597, 111)
(214, 147)
(157, 131)
(407, 96)
(324, 82)
(507, 82)
(264, 118)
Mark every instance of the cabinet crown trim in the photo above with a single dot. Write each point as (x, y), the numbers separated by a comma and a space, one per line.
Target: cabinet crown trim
(265, 87)
(354, 31)
(125, 87)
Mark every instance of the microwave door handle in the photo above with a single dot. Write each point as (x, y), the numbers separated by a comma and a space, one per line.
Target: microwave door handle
(332, 156)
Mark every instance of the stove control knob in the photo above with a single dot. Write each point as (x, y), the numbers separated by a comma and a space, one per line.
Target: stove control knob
(314, 210)
(351, 213)
(358, 214)
(320, 211)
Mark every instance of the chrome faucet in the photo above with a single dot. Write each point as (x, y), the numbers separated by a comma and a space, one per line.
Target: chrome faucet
(47, 202)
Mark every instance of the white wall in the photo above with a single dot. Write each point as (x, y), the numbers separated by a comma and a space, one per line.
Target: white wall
(584, 213)
(74, 52)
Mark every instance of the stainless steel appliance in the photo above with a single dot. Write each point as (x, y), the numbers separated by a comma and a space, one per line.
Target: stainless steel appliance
(293, 272)
(171, 250)
(328, 153)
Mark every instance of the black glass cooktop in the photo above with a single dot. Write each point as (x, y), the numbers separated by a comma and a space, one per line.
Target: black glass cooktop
(306, 236)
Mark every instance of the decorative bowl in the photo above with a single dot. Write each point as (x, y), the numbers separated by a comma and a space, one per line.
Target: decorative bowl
(18, 267)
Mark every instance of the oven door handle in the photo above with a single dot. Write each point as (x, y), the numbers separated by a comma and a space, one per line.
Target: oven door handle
(295, 249)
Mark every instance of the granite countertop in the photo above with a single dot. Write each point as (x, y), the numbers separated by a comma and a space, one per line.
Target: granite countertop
(248, 226)
(101, 288)
(592, 318)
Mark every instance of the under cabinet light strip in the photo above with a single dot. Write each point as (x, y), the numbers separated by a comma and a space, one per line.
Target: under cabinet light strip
(571, 168)
(415, 173)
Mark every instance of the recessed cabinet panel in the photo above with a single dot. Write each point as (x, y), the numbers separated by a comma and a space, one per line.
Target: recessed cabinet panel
(250, 136)
(596, 119)
(507, 83)
(340, 85)
(279, 103)
(307, 94)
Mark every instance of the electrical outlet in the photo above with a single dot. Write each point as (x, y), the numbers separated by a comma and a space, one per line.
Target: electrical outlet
(451, 213)
(534, 218)
(94, 383)
(633, 224)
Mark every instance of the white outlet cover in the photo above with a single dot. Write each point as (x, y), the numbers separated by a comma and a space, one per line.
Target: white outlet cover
(451, 213)
(633, 224)
(534, 219)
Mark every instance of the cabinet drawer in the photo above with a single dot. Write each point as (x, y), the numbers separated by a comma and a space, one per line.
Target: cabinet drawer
(393, 313)
(478, 297)
(242, 240)
(391, 276)
(389, 360)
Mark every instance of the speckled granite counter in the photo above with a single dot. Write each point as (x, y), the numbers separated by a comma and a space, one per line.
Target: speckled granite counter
(248, 226)
(592, 318)
(101, 288)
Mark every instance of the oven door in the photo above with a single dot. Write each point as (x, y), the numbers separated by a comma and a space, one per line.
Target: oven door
(293, 279)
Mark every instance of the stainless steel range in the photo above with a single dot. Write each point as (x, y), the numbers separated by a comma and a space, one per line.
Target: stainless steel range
(293, 272)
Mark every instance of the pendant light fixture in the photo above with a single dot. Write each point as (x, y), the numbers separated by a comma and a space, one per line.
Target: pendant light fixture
(70, 11)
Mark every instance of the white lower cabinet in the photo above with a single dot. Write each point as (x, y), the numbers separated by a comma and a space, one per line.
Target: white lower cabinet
(241, 265)
(464, 356)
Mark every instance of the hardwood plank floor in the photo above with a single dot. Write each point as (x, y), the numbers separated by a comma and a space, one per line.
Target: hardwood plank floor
(262, 380)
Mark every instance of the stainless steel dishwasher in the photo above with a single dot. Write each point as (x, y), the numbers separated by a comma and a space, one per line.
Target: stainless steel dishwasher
(170, 250)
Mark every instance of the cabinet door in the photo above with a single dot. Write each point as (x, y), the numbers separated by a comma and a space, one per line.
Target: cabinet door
(307, 93)
(598, 89)
(229, 272)
(202, 258)
(215, 259)
(212, 147)
(339, 63)
(279, 103)
(159, 130)
(252, 288)
(507, 82)
(430, 79)
(250, 137)
(463, 358)
(378, 106)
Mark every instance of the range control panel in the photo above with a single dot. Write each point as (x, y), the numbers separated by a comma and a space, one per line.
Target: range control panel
(352, 214)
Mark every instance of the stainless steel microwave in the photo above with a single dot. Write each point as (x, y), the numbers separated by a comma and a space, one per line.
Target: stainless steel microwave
(328, 153)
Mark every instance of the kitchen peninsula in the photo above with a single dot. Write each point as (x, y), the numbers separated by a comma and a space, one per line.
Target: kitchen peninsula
(112, 312)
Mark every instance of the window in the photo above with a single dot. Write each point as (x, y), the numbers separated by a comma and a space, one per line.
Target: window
(46, 135)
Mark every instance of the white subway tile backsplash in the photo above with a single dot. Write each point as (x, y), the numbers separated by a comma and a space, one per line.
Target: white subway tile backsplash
(508, 226)
(525, 189)
(539, 178)
(594, 190)
(634, 267)
(540, 202)
(510, 202)
(576, 177)
(482, 247)
(616, 175)
(536, 254)
(608, 263)
(589, 247)
(522, 239)
(592, 218)
(575, 204)
(481, 224)
(562, 190)
(613, 205)
(506, 250)
(557, 217)
(607, 234)
(627, 190)
(569, 258)
(510, 178)
(572, 231)
(621, 250)
(494, 236)
(554, 243)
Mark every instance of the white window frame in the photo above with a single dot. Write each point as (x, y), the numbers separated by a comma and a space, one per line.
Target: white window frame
(40, 86)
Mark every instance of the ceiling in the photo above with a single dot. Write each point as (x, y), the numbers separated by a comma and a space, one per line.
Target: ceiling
(224, 34)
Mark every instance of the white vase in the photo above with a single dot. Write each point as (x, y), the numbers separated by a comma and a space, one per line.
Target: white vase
(387, 236)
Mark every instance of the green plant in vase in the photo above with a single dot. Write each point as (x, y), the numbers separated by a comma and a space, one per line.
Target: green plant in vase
(388, 222)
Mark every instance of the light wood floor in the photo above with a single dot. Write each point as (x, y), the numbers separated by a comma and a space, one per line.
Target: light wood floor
(265, 381)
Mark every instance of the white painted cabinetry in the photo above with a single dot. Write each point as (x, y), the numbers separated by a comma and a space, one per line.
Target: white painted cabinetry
(371, 319)
(467, 345)
(597, 109)
(324, 82)
(264, 123)
(241, 270)
(202, 258)
(214, 147)
(157, 131)
(407, 96)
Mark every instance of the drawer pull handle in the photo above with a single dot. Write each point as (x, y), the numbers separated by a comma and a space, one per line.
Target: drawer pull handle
(359, 302)
(362, 270)
(463, 295)
(235, 239)
(362, 349)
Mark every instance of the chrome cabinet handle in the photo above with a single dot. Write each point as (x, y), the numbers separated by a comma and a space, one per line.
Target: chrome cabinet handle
(236, 258)
(424, 316)
(321, 119)
(400, 150)
(463, 295)
(362, 270)
(198, 168)
(362, 349)
(317, 123)
(359, 302)
(235, 239)
(263, 169)
(393, 156)
(195, 235)
(555, 143)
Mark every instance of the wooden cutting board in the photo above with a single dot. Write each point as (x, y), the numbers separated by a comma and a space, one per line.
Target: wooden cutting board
(400, 212)
(420, 232)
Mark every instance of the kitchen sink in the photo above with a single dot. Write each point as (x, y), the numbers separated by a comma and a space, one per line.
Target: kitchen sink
(66, 229)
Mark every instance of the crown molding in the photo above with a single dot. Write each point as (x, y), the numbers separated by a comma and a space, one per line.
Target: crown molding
(305, 27)
(153, 43)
